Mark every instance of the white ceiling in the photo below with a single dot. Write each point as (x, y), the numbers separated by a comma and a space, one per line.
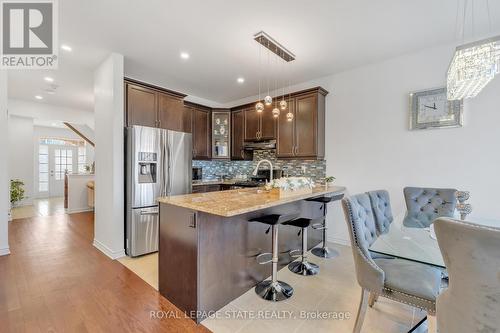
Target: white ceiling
(327, 36)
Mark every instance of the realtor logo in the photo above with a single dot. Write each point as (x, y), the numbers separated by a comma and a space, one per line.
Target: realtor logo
(29, 34)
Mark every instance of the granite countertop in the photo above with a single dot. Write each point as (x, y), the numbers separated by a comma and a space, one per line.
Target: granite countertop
(236, 202)
(214, 182)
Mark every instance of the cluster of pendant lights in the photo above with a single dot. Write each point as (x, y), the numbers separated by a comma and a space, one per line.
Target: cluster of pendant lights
(268, 100)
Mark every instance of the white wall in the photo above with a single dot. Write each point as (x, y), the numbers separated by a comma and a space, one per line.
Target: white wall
(21, 155)
(4, 172)
(370, 147)
(109, 156)
(47, 112)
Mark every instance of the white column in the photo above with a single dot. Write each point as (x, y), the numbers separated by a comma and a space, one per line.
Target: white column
(4, 172)
(109, 226)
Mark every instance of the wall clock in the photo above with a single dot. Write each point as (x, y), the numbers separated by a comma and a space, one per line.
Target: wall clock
(432, 109)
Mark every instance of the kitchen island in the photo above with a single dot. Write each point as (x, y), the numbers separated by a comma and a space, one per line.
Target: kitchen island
(208, 247)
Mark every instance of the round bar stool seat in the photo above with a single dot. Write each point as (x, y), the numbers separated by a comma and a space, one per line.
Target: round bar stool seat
(302, 267)
(324, 251)
(274, 290)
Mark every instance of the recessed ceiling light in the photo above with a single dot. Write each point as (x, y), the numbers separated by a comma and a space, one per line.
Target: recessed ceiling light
(66, 48)
(184, 55)
(48, 79)
(38, 97)
(241, 80)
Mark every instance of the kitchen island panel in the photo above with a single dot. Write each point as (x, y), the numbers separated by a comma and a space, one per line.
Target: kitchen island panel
(226, 253)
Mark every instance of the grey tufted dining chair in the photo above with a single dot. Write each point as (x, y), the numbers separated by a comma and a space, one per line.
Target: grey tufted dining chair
(424, 205)
(382, 211)
(400, 280)
(471, 304)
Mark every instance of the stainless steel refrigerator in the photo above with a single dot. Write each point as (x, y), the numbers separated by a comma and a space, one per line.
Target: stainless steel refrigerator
(158, 164)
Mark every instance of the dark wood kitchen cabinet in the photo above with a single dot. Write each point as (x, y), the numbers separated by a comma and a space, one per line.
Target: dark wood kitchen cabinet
(147, 105)
(201, 129)
(268, 124)
(259, 126)
(285, 147)
(141, 106)
(172, 113)
(304, 137)
(238, 137)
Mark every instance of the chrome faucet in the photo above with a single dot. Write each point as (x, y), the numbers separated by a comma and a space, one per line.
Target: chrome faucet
(270, 168)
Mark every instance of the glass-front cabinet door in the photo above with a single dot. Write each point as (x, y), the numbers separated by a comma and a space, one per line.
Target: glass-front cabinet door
(221, 134)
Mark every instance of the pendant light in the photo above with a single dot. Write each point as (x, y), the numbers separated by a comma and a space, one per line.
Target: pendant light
(259, 107)
(473, 65)
(282, 54)
(276, 111)
(268, 100)
(283, 102)
(289, 115)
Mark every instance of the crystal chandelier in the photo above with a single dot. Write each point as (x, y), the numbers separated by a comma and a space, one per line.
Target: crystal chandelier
(282, 54)
(473, 66)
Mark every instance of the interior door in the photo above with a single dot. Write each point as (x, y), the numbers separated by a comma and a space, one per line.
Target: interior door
(62, 159)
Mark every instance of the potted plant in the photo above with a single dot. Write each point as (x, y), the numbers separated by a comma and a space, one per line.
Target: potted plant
(329, 180)
(16, 191)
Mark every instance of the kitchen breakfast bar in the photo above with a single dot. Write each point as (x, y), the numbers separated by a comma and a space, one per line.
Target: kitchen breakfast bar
(208, 247)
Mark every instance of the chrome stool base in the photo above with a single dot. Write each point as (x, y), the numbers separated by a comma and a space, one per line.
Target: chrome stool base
(324, 252)
(303, 268)
(275, 292)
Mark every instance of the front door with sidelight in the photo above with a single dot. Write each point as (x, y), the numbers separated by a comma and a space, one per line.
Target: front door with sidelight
(62, 159)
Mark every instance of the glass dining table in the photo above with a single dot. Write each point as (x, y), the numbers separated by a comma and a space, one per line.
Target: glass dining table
(416, 244)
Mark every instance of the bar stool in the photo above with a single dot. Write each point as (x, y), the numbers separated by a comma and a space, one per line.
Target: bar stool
(274, 290)
(324, 251)
(302, 267)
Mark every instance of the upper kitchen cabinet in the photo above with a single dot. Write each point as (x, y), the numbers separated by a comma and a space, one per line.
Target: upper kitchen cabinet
(285, 147)
(304, 136)
(141, 106)
(238, 136)
(259, 126)
(221, 134)
(172, 114)
(251, 123)
(201, 129)
(152, 106)
(268, 124)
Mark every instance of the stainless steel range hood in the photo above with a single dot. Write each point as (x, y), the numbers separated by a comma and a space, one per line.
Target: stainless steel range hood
(260, 145)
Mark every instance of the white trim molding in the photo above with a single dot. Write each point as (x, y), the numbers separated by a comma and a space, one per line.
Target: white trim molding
(107, 251)
(79, 210)
(4, 251)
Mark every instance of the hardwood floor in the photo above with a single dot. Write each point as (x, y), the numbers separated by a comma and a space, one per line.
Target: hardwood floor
(56, 281)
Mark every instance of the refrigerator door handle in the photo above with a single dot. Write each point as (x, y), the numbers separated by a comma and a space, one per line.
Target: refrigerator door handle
(169, 168)
(164, 169)
(143, 212)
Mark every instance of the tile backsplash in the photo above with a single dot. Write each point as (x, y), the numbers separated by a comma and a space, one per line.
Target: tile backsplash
(315, 169)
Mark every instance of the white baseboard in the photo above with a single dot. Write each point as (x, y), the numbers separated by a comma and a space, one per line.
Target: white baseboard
(5, 251)
(107, 251)
(79, 210)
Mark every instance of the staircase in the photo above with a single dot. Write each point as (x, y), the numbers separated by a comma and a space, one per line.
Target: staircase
(83, 131)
